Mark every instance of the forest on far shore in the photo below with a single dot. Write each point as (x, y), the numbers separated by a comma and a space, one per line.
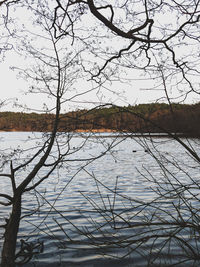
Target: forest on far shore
(142, 118)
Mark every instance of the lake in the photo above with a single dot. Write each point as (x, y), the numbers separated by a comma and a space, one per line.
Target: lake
(86, 212)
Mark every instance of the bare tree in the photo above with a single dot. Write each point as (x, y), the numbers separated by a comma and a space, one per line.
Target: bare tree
(123, 35)
(146, 35)
(40, 156)
(154, 37)
(141, 35)
(51, 73)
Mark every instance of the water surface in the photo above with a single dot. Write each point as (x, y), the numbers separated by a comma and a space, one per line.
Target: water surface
(73, 208)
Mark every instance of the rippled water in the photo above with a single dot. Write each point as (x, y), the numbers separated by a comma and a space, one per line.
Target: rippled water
(71, 218)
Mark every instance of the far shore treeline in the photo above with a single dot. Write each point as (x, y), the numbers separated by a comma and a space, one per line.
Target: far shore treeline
(142, 118)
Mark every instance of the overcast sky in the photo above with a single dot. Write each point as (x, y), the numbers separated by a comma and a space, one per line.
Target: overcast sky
(134, 90)
(14, 87)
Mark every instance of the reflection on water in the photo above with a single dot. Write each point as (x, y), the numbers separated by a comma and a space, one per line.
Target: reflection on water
(74, 216)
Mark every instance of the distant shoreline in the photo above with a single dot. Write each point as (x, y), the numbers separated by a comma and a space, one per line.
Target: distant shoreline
(151, 118)
(103, 130)
(115, 133)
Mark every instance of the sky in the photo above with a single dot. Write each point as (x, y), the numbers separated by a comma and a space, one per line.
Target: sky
(128, 93)
(133, 92)
(135, 88)
(13, 87)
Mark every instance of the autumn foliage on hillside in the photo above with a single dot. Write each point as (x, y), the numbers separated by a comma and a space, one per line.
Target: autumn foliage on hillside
(156, 117)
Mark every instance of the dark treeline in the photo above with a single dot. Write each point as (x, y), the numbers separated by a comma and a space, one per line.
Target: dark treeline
(142, 118)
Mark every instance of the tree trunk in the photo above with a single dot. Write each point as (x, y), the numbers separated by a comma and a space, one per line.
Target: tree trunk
(10, 236)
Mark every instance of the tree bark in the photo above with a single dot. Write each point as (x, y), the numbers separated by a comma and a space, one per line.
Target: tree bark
(10, 236)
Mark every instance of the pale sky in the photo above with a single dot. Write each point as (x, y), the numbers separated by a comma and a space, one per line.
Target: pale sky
(131, 92)
(14, 87)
